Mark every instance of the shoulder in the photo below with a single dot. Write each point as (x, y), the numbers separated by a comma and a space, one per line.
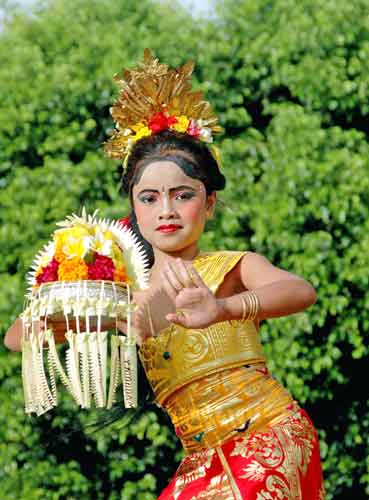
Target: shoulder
(220, 254)
(248, 266)
(224, 260)
(221, 269)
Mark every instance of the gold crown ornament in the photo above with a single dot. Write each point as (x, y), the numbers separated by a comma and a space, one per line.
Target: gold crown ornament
(155, 98)
(80, 285)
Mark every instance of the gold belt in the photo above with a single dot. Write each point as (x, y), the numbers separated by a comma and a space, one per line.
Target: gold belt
(215, 408)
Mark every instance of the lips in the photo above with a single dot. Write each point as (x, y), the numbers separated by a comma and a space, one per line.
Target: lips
(168, 228)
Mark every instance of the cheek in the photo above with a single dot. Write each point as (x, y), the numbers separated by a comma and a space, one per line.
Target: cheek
(143, 216)
(193, 211)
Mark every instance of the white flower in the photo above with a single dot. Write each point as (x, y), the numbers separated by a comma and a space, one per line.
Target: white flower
(205, 134)
(47, 255)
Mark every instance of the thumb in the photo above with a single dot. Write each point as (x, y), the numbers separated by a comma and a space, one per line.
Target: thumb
(178, 319)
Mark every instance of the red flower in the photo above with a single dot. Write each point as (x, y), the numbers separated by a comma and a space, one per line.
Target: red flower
(49, 272)
(193, 129)
(101, 269)
(126, 222)
(160, 121)
(178, 430)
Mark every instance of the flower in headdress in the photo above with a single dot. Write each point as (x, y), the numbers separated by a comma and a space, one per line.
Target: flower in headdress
(206, 135)
(140, 130)
(101, 269)
(182, 124)
(160, 121)
(48, 272)
(72, 269)
(193, 128)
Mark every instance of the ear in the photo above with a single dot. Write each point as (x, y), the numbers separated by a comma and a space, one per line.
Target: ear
(210, 204)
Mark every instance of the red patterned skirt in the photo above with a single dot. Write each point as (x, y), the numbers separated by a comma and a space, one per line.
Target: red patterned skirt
(281, 462)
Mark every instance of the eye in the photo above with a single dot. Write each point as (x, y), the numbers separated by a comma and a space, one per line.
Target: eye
(147, 198)
(185, 195)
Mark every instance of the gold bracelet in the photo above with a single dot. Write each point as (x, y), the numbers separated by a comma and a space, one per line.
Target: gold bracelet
(255, 305)
(244, 308)
(250, 309)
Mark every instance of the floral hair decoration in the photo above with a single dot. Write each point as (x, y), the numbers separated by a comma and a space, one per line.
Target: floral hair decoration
(154, 98)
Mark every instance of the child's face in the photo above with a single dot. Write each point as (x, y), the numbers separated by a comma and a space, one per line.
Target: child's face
(171, 208)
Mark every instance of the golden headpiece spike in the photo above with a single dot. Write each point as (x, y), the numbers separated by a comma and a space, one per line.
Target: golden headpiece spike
(153, 98)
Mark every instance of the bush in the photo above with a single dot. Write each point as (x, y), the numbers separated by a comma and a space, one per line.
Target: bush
(289, 81)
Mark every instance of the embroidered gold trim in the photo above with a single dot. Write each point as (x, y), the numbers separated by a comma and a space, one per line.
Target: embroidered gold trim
(227, 469)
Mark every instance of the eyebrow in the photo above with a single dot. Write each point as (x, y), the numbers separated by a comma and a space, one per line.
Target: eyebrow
(183, 186)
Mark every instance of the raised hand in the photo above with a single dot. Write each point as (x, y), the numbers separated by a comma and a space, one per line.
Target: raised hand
(149, 319)
(196, 306)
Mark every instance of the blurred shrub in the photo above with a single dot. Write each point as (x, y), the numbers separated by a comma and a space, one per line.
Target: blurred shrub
(289, 81)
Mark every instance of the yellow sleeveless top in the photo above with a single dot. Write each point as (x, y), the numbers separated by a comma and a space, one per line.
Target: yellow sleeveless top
(214, 384)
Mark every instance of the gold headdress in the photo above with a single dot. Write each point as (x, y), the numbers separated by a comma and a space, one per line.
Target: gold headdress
(155, 98)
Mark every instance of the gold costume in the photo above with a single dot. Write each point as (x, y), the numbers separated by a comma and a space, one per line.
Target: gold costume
(244, 436)
(215, 383)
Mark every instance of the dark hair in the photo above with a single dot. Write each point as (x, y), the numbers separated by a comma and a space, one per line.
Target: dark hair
(190, 154)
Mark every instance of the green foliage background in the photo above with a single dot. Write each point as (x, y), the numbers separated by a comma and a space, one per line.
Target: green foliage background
(290, 81)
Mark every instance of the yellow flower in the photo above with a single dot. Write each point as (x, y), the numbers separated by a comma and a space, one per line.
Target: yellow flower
(141, 130)
(39, 271)
(72, 270)
(182, 124)
(117, 255)
(71, 242)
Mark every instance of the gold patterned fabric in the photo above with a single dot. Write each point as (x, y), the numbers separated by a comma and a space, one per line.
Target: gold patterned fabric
(244, 436)
(215, 408)
(279, 463)
(197, 353)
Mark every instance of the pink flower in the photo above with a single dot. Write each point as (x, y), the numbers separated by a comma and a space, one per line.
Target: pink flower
(101, 269)
(48, 273)
(193, 129)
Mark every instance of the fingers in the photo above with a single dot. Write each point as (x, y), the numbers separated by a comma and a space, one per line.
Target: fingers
(195, 277)
(190, 297)
(184, 273)
(179, 275)
(179, 318)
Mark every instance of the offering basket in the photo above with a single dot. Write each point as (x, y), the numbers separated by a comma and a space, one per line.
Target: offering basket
(82, 312)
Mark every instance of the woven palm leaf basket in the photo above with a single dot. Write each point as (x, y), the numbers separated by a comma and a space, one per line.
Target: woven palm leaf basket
(81, 285)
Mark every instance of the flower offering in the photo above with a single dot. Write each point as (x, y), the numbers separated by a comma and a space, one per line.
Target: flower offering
(81, 282)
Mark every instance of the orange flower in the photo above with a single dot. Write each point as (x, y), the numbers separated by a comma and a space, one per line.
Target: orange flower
(59, 254)
(121, 275)
(72, 269)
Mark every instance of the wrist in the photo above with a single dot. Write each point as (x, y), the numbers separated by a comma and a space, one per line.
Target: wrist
(223, 312)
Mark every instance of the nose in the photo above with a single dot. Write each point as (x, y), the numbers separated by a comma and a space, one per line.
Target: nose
(167, 210)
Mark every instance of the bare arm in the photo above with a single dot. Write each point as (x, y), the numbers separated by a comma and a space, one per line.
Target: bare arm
(13, 336)
(280, 292)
